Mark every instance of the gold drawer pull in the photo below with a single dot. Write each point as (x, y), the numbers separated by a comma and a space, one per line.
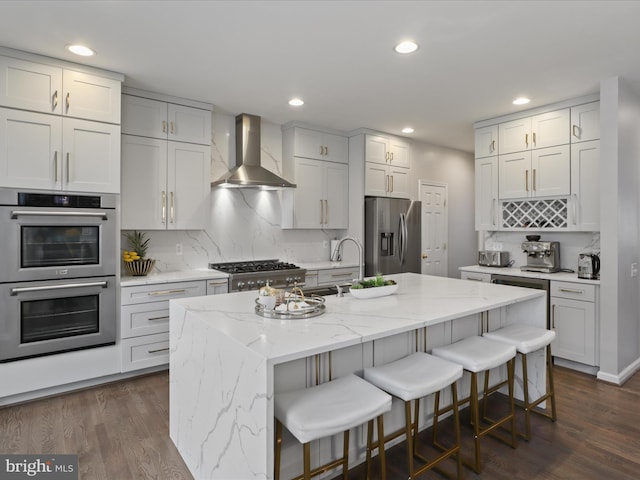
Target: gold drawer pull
(158, 350)
(155, 319)
(166, 292)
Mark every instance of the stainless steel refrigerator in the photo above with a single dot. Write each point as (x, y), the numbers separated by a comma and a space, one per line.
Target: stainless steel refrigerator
(392, 235)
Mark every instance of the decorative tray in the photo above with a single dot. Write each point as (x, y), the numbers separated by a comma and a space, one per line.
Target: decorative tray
(294, 307)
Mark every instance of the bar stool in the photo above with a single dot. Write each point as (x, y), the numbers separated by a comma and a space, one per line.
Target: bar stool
(528, 339)
(325, 410)
(478, 354)
(411, 378)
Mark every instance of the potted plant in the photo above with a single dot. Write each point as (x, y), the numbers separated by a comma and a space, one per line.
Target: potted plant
(135, 259)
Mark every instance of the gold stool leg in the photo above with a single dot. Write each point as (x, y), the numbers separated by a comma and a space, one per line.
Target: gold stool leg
(456, 423)
(475, 418)
(511, 366)
(307, 460)
(369, 448)
(527, 405)
(414, 425)
(552, 388)
(278, 449)
(408, 427)
(345, 458)
(381, 454)
(436, 411)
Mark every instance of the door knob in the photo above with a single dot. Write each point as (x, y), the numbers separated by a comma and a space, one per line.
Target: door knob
(424, 255)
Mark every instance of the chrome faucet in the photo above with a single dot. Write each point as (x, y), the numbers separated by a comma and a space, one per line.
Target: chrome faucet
(335, 254)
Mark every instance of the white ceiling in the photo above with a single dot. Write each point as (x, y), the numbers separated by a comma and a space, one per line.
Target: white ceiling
(475, 57)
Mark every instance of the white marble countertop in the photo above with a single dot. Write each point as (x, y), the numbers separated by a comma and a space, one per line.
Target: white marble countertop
(326, 265)
(169, 277)
(516, 272)
(421, 300)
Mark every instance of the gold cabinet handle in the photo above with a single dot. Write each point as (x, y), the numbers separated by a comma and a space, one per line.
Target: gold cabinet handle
(164, 126)
(553, 316)
(493, 211)
(157, 319)
(526, 180)
(386, 183)
(158, 350)
(571, 290)
(526, 139)
(326, 151)
(534, 138)
(55, 165)
(163, 199)
(575, 209)
(326, 212)
(321, 213)
(576, 131)
(172, 127)
(68, 170)
(68, 100)
(492, 146)
(425, 256)
(166, 292)
(392, 156)
(55, 99)
(171, 208)
(391, 177)
(534, 179)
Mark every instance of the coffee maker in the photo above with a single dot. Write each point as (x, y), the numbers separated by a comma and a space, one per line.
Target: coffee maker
(542, 257)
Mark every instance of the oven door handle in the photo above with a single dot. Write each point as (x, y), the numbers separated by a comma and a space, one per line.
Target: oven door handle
(15, 291)
(22, 213)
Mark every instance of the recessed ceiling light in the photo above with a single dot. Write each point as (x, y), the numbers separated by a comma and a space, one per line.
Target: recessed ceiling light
(296, 102)
(406, 47)
(408, 130)
(80, 50)
(521, 101)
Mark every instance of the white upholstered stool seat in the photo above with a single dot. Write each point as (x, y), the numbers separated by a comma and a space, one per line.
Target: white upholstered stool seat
(478, 354)
(327, 409)
(411, 378)
(528, 339)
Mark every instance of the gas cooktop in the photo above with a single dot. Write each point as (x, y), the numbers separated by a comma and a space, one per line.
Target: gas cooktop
(253, 266)
(258, 273)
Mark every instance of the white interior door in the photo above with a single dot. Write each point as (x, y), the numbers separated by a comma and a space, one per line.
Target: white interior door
(434, 228)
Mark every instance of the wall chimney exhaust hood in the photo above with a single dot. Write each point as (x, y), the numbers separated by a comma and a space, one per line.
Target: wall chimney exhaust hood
(248, 173)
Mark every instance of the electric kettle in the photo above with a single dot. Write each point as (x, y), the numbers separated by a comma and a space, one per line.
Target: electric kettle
(589, 266)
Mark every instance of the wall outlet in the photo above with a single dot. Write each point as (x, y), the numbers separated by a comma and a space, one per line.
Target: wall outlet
(497, 246)
(325, 244)
(634, 270)
(178, 249)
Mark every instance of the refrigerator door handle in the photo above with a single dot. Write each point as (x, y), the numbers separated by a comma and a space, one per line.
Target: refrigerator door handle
(403, 237)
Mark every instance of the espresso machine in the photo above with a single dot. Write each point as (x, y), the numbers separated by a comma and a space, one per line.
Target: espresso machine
(542, 257)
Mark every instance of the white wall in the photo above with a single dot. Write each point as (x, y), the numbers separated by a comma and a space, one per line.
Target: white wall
(456, 169)
(619, 292)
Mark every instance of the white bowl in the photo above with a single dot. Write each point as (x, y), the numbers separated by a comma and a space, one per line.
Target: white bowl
(268, 301)
(373, 292)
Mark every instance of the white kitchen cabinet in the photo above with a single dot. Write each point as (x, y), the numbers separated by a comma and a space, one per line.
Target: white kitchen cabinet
(217, 286)
(387, 151)
(168, 121)
(585, 122)
(52, 89)
(539, 173)
(144, 321)
(486, 141)
(585, 186)
(165, 185)
(539, 131)
(386, 180)
(574, 318)
(321, 197)
(319, 145)
(486, 183)
(49, 152)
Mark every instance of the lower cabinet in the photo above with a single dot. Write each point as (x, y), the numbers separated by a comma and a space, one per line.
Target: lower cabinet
(477, 277)
(144, 319)
(574, 318)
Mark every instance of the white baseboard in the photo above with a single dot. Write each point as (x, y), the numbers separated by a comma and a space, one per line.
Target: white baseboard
(580, 367)
(621, 377)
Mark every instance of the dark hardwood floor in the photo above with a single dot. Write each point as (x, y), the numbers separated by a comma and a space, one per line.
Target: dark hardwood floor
(121, 432)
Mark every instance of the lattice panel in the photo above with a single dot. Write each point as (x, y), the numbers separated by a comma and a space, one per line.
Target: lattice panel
(552, 213)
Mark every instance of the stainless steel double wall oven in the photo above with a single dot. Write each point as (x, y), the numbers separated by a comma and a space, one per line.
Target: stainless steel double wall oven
(57, 272)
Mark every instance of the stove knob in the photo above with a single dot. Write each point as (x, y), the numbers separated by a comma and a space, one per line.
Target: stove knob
(260, 283)
(250, 284)
(289, 280)
(240, 285)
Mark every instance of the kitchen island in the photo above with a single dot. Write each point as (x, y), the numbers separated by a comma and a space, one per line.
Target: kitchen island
(226, 362)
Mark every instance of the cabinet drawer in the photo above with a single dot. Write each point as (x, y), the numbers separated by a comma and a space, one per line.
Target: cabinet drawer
(144, 319)
(575, 291)
(164, 291)
(144, 352)
(477, 277)
(217, 286)
(336, 275)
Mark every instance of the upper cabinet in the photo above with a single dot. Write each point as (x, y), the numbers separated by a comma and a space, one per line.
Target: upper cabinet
(147, 117)
(540, 131)
(585, 122)
(387, 166)
(166, 162)
(63, 91)
(316, 161)
(59, 126)
(486, 143)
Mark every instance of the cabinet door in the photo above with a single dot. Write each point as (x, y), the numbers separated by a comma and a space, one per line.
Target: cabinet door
(585, 185)
(309, 203)
(514, 175)
(486, 141)
(144, 117)
(188, 185)
(308, 144)
(144, 183)
(217, 286)
(187, 124)
(92, 156)
(514, 136)
(398, 186)
(376, 179)
(376, 149)
(91, 97)
(550, 171)
(30, 150)
(400, 153)
(337, 148)
(30, 86)
(585, 122)
(337, 195)
(550, 129)
(574, 324)
(486, 178)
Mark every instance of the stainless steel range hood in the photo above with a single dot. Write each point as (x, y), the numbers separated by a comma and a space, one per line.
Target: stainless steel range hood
(248, 172)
